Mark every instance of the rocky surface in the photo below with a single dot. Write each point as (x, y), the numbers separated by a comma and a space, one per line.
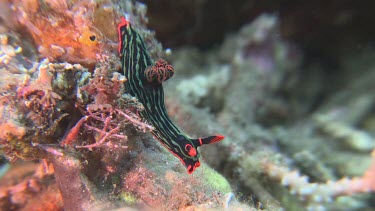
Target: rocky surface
(299, 135)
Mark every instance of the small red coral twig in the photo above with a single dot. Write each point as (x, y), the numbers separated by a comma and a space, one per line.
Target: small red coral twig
(110, 124)
(101, 131)
(73, 133)
(92, 115)
(101, 141)
(111, 120)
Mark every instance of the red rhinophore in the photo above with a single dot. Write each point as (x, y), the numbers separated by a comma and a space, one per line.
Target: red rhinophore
(123, 22)
(200, 141)
(190, 150)
(217, 139)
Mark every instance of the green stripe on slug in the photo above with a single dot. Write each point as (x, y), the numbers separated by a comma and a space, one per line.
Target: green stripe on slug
(144, 82)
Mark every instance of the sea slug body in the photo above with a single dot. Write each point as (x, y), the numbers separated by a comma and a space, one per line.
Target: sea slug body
(144, 82)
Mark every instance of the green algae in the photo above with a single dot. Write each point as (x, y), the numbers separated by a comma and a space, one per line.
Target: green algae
(213, 179)
(129, 198)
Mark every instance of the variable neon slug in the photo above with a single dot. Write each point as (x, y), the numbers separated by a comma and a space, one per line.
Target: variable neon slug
(144, 82)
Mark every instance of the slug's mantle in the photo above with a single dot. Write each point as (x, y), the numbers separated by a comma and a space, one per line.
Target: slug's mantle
(144, 82)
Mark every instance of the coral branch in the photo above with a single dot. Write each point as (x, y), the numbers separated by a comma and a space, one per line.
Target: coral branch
(136, 122)
(317, 193)
(99, 143)
(73, 132)
(100, 131)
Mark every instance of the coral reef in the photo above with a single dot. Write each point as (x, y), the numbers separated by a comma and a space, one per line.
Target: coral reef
(34, 96)
(67, 109)
(73, 140)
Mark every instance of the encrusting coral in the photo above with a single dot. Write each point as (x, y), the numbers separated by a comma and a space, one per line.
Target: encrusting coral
(68, 108)
(30, 108)
(33, 104)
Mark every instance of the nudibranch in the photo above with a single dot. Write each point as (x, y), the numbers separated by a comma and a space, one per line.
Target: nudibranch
(144, 81)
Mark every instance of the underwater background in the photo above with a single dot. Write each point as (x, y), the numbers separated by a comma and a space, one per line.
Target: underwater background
(289, 84)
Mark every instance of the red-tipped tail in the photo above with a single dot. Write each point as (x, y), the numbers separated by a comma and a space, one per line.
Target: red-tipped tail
(217, 139)
(208, 140)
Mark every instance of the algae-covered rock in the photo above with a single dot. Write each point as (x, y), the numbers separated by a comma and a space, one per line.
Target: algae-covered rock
(293, 141)
(157, 179)
(76, 116)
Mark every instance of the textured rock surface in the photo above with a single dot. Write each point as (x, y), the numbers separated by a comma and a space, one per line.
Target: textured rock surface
(295, 138)
(75, 118)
